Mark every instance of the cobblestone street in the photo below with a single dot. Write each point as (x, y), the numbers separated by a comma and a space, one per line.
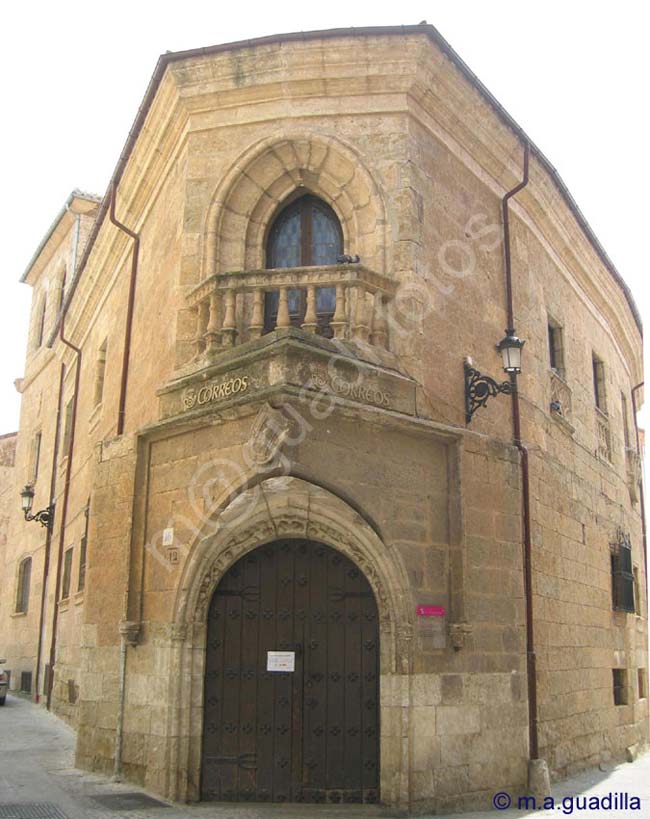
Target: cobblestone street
(37, 779)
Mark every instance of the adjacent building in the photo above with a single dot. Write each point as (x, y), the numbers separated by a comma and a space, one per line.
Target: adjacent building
(307, 540)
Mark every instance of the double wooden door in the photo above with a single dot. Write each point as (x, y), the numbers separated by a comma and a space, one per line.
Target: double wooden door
(310, 734)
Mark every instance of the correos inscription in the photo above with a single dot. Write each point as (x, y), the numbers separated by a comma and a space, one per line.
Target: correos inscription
(193, 397)
(358, 392)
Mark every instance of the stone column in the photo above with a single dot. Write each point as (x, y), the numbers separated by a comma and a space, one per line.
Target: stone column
(229, 330)
(284, 319)
(311, 320)
(257, 319)
(339, 320)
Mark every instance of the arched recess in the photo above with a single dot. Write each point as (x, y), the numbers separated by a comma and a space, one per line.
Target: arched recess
(273, 170)
(278, 508)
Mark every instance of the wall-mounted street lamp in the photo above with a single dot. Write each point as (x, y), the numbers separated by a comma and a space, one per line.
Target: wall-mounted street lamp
(479, 387)
(45, 517)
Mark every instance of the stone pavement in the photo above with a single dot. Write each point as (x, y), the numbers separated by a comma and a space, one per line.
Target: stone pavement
(37, 779)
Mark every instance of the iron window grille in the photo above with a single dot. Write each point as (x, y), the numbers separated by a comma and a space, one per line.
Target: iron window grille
(622, 575)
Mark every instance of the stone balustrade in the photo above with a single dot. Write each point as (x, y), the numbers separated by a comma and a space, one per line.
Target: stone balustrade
(232, 308)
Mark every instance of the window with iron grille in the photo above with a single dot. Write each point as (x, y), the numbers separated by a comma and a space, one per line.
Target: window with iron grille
(26, 682)
(67, 574)
(622, 575)
(24, 579)
(556, 346)
(620, 686)
(82, 551)
(599, 383)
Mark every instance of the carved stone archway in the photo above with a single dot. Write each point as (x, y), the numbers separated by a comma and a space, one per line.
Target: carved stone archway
(280, 508)
(245, 202)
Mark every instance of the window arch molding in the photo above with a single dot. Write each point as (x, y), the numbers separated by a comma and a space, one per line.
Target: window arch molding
(246, 200)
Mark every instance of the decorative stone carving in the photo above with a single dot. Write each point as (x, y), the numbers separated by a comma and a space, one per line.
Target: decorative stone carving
(179, 632)
(268, 432)
(458, 633)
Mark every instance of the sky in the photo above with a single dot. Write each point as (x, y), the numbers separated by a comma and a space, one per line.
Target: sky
(573, 74)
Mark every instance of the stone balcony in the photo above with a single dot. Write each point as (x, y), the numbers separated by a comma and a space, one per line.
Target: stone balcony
(347, 302)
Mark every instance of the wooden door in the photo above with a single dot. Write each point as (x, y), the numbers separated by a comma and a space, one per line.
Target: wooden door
(311, 735)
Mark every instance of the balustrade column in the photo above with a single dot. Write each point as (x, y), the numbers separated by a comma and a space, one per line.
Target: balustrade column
(380, 323)
(361, 327)
(257, 319)
(284, 319)
(229, 330)
(213, 330)
(311, 319)
(339, 320)
(202, 317)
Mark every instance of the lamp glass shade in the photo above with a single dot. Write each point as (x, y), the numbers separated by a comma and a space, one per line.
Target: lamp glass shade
(27, 497)
(510, 348)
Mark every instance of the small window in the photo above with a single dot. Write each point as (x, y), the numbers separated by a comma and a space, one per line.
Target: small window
(25, 682)
(35, 457)
(67, 573)
(642, 681)
(622, 576)
(100, 372)
(620, 686)
(67, 429)
(24, 581)
(556, 347)
(599, 383)
(40, 327)
(626, 422)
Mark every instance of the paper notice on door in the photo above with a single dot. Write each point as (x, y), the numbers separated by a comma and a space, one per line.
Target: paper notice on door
(280, 660)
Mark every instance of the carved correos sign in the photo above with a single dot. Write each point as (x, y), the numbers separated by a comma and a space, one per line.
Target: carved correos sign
(193, 396)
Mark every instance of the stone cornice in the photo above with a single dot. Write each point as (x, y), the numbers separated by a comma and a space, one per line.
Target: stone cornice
(540, 205)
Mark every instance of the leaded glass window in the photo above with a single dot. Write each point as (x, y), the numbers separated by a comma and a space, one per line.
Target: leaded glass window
(305, 233)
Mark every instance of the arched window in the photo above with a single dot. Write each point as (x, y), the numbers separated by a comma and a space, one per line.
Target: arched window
(305, 233)
(24, 579)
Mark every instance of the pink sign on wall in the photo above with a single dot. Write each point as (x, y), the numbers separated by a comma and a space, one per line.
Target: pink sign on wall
(431, 611)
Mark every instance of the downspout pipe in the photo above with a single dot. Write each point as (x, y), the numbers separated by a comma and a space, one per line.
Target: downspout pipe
(48, 538)
(129, 310)
(64, 509)
(641, 494)
(538, 778)
(127, 635)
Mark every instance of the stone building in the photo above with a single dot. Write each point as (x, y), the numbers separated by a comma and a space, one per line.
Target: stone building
(301, 548)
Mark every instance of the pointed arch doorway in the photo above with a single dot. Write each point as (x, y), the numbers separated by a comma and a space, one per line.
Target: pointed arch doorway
(310, 734)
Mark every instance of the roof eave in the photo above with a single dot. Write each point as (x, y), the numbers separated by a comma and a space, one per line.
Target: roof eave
(429, 31)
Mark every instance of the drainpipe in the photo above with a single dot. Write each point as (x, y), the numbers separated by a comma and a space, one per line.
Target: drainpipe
(128, 630)
(641, 498)
(48, 539)
(129, 311)
(538, 777)
(64, 510)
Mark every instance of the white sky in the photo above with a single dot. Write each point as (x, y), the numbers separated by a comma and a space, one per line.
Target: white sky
(574, 74)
